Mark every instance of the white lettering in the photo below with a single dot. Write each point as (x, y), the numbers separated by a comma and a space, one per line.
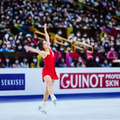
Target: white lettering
(112, 83)
(96, 79)
(112, 76)
(62, 81)
(2, 82)
(101, 79)
(6, 82)
(80, 81)
(85, 81)
(76, 81)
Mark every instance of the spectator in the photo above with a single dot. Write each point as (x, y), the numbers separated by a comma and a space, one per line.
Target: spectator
(109, 7)
(97, 62)
(106, 45)
(24, 63)
(117, 12)
(4, 48)
(29, 22)
(90, 62)
(20, 48)
(62, 49)
(42, 63)
(105, 64)
(59, 33)
(85, 39)
(35, 39)
(33, 64)
(98, 47)
(112, 54)
(12, 41)
(7, 63)
(17, 43)
(7, 34)
(74, 63)
(32, 44)
(78, 34)
(16, 64)
(54, 48)
(1, 64)
(68, 49)
(19, 36)
(9, 47)
(92, 43)
(117, 45)
(72, 37)
(24, 46)
(80, 62)
(28, 39)
(62, 62)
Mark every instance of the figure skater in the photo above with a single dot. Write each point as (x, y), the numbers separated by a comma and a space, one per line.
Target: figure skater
(48, 73)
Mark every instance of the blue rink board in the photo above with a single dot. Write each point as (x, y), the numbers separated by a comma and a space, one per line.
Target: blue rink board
(62, 96)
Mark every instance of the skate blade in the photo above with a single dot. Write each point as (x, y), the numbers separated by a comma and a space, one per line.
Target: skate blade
(55, 102)
(41, 110)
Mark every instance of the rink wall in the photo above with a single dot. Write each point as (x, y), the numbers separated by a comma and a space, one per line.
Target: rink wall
(17, 82)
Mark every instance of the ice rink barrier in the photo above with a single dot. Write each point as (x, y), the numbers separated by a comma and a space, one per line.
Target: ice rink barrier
(17, 82)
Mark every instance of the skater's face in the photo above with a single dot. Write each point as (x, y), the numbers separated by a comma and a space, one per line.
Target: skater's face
(45, 45)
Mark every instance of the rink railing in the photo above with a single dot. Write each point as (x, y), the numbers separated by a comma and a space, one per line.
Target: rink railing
(22, 82)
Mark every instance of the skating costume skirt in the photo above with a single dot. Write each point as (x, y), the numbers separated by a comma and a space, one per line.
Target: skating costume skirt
(49, 68)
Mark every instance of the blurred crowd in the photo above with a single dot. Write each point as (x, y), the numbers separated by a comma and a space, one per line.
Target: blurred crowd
(107, 11)
(79, 60)
(62, 14)
(59, 13)
(104, 6)
(23, 62)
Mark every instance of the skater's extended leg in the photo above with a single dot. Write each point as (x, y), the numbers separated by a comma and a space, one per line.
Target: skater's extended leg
(46, 95)
(49, 84)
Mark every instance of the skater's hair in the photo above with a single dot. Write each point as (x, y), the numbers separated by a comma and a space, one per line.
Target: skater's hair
(40, 44)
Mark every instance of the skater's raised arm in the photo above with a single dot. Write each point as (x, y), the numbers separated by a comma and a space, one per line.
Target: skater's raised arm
(42, 53)
(46, 33)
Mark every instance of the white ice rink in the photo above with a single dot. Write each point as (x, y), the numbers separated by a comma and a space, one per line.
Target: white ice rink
(77, 109)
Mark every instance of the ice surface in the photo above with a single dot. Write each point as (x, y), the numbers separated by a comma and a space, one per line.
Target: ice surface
(77, 109)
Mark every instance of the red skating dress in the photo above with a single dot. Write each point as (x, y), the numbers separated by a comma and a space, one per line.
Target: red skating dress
(49, 68)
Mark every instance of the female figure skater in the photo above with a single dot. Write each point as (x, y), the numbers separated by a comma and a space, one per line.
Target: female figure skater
(48, 73)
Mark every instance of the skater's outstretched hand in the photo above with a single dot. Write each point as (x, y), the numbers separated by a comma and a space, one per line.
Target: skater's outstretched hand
(41, 53)
(45, 27)
(46, 34)
(28, 48)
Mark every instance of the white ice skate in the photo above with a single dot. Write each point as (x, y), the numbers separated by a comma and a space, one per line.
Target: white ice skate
(54, 99)
(42, 107)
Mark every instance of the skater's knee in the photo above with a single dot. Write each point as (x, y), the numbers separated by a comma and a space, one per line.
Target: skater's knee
(49, 83)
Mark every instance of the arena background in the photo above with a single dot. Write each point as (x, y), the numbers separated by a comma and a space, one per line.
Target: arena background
(85, 38)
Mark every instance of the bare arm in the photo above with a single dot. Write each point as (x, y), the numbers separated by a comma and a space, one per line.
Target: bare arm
(46, 34)
(42, 53)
